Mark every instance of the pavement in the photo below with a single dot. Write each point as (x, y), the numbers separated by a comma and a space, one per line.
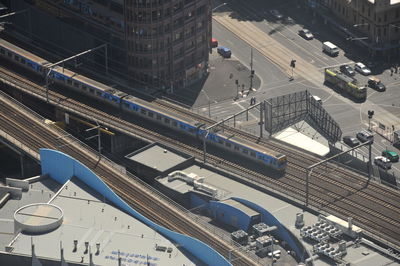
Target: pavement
(240, 26)
(220, 83)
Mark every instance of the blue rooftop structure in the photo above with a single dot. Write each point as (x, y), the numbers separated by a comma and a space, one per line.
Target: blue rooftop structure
(62, 168)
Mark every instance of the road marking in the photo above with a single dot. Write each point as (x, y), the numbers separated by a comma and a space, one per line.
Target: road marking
(332, 66)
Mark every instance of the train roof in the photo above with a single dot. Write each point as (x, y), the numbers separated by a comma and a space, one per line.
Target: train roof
(90, 82)
(251, 145)
(22, 52)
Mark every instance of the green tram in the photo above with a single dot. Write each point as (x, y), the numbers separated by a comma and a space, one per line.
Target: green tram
(345, 84)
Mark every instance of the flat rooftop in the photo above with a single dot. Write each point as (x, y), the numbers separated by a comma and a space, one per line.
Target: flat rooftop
(285, 212)
(87, 217)
(156, 157)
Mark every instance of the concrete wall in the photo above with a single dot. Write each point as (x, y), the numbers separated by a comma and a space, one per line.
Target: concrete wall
(230, 215)
(282, 232)
(62, 167)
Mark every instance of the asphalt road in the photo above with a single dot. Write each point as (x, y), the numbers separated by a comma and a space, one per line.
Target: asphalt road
(273, 75)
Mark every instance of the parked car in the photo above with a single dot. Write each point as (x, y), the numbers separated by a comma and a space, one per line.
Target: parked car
(214, 42)
(391, 155)
(306, 34)
(382, 162)
(376, 84)
(365, 136)
(276, 14)
(224, 51)
(361, 68)
(351, 141)
(347, 70)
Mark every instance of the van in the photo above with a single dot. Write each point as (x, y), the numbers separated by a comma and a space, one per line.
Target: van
(330, 49)
(317, 99)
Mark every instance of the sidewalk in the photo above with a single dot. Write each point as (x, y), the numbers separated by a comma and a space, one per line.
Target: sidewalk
(219, 84)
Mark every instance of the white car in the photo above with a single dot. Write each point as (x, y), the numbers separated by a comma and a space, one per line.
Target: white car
(276, 14)
(382, 162)
(360, 67)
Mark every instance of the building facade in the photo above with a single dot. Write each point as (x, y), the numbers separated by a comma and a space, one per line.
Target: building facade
(376, 21)
(160, 43)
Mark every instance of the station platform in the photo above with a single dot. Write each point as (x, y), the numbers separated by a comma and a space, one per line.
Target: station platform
(305, 138)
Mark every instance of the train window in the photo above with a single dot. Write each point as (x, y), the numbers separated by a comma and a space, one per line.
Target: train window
(9, 54)
(227, 144)
(23, 61)
(84, 87)
(191, 130)
(2, 51)
(174, 123)
(40, 69)
(134, 107)
(151, 114)
(158, 117)
(253, 154)
(98, 93)
(182, 126)
(166, 120)
(236, 148)
(245, 151)
(69, 82)
(76, 84)
(220, 141)
(125, 105)
(91, 90)
(16, 57)
(143, 111)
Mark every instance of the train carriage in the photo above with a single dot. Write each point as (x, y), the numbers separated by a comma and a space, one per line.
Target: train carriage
(141, 107)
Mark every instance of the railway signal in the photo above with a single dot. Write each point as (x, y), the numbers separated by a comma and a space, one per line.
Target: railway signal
(370, 115)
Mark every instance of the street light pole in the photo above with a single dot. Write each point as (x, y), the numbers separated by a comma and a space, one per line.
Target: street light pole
(251, 69)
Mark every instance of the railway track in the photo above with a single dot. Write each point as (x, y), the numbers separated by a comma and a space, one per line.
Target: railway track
(356, 200)
(23, 126)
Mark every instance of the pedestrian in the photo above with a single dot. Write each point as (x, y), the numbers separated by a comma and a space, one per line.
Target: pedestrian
(391, 71)
(396, 69)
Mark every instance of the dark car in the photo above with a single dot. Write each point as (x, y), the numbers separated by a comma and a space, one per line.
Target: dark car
(306, 34)
(347, 70)
(391, 155)
(224, 51)
(365, 136)
(351, 141)
(376, 84)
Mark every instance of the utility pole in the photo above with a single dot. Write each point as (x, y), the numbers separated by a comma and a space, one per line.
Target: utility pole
(98, 136)
(251, 69)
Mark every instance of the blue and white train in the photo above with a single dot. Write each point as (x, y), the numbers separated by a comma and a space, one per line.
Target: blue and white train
(140, 107)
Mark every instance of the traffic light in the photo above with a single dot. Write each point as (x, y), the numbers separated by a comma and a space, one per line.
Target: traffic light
(237, 82)
(252, 73)
(293, 63)
(370, 114)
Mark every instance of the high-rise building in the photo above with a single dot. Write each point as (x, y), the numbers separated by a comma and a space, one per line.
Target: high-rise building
(162, 43)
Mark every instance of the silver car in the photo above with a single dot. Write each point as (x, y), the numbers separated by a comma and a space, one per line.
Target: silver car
(363, 69)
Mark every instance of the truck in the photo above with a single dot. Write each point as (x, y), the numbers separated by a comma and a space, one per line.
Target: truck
(330, 49)
(346, 84)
